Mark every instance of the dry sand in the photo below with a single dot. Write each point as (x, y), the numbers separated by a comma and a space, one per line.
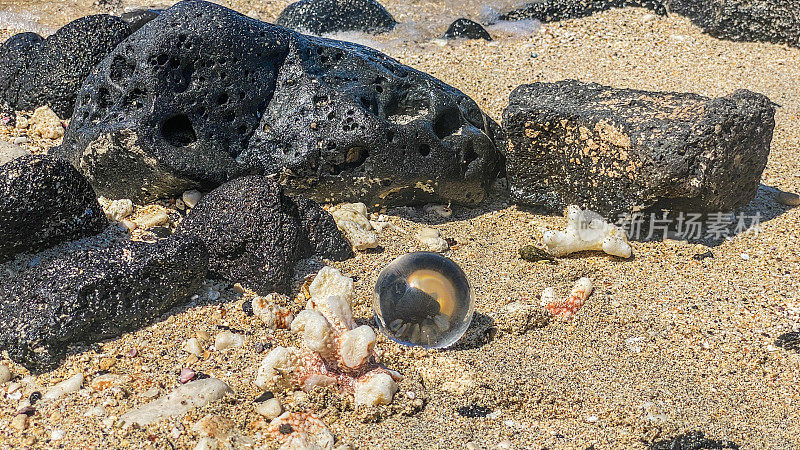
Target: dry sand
(666, 344)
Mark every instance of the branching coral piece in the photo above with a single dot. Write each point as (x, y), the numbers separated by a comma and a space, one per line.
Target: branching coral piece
(335, 351)
(586, 230)
(565, 309)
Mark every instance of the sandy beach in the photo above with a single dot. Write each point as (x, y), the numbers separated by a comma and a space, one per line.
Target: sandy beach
(666, 344)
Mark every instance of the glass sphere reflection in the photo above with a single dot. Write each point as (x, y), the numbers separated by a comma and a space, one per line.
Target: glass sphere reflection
(423, 299)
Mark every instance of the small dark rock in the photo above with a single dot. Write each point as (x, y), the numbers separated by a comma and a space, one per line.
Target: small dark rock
(702, 256)
(93, 290)
(331, 16)
(28, 411)
(43, 202)
(474, 411)
(255, 233)
(285, 428)
(267, 395)
(789, 341)
(161, 232)
(466, 29)
(532, 253)
(58, 65)
(615, 151)
(35, 397)
(137, 18)
(694, 440)
(247, 307)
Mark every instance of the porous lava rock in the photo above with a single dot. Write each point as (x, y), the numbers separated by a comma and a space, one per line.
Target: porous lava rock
(331, 16)
(740, 20)
(202, 94)
(15, 55)
(350, 124)
(466, 29)
(255, 234)
(616, 151)
(49, 72)
(744, 20)
(556, 10)
(43, 202)
(90, 290)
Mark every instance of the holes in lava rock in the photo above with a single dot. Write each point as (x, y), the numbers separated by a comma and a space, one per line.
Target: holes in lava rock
(121, 69)
(404, 110)
(222, 98)
(424, 149)
(162, 59)
(447, 122)
(178, 131)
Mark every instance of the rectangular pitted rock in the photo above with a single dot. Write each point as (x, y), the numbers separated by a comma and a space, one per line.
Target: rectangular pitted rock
(616, 151)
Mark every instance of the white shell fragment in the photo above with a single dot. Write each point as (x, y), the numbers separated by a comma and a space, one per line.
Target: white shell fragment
(567, 308)
(226, 339)
(190, 198)
(353, 220)
(178, 402)
(585, 231)
(72, 384)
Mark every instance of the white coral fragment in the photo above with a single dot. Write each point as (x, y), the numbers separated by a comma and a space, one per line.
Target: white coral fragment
(116, 209)
(330, 281)
(276, 369)
(432, 240)
(565, 309)
(356, 346)
(352, 219)
(274, 317)
(335, 351)
(375, 389)
(316, 331)
(586, 230)
(297, 430)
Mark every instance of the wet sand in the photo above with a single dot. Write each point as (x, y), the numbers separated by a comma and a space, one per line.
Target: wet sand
(666, 344)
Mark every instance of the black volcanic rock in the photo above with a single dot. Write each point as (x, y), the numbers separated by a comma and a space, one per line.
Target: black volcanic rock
(255, 234)
(91, 290)
(137, 18)
(466, 29)
(172, 107)
(348, 123)
(15, 55)
(740, 20)
(331, 16)
(43, 202)
(202, 94)
(57, 66)
(744, 20)
(556, 10)
(616, 151)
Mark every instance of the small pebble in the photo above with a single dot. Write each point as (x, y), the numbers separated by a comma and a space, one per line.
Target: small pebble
(19, 422)
(57, 435)
(35, 397)
(532, 253)
(190, 198)
(187, 375)
(504, 445)
(226, 339)
(20, 140)
(270, 409)
(787, 198)
(72, 384)
(745, 256)
(5, 374)
(193, 347)
(592, 419)
(132, 353)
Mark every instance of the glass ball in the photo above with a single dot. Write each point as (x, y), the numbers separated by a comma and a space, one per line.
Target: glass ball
(423, 299)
